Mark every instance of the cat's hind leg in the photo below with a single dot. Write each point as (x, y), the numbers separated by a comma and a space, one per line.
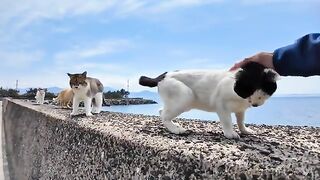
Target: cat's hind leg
(177, 98)
(97, 105)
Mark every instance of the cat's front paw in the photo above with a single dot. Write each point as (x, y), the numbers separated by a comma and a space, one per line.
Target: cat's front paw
(73, 114)
(89, 114)
(95, 111)
(247, 131)
(174, 128)
(231, 135)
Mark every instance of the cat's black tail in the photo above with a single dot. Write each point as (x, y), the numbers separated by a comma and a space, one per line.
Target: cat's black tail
(151, 82)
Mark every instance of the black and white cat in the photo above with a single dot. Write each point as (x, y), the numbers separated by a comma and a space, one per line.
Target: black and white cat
(86, 89)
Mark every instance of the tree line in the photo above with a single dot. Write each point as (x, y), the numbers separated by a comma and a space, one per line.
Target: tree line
(31, 93)
(119, 94)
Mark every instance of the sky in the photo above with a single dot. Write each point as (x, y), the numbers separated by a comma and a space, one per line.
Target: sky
(117, 41)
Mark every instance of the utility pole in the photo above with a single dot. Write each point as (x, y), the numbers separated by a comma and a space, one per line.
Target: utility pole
(128, 85)
(17, 82)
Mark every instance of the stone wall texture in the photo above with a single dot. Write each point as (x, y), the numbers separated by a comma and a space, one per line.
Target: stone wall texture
(43, 142)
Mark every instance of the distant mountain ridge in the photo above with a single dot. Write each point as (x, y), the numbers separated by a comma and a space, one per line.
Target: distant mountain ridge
(155, 96)
(146, 95)
(141, 94)
(151, 95)
(54, 90)
(296, 95)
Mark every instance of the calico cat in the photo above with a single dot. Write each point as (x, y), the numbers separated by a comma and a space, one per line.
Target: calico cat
(86, 89)
(64, 98)
(41, 93)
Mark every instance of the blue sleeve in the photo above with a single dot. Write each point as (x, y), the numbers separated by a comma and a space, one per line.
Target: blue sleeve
(299, 59)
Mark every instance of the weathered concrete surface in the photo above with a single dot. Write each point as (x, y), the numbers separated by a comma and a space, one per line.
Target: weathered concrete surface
(4, 174)
(1, 155)
(1, 158)
(43, 142)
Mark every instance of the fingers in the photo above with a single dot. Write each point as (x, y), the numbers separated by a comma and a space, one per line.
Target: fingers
(234, 67)
(262, 58)
(240, 64)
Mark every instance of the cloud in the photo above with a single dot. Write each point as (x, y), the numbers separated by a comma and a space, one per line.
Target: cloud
(19, 59)
(113, 80)
(298, 85)
(174, 4)
(91, 50)
(119, 81)
(263, 2)
(24, 14)
(202, 63)
(62, 29)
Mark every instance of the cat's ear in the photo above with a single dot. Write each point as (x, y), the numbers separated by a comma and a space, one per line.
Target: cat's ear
(69, 74)
(84, 74)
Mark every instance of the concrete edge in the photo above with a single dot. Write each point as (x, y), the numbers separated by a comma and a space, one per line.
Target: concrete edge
(5, 168)
(179, 157)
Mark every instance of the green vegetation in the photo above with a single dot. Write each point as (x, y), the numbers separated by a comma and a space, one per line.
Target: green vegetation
(119, 94)
(9, 93)
(30, 94)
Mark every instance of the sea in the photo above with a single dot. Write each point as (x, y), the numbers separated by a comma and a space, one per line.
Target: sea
(293, 111)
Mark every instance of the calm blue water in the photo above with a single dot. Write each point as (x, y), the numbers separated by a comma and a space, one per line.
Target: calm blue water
(298, 111)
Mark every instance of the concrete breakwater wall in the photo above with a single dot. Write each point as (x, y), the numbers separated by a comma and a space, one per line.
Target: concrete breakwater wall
(43, 142)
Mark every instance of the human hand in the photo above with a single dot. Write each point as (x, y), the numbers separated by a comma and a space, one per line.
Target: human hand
(262, 58)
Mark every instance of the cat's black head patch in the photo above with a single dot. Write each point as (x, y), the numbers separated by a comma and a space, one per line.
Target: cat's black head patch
(254, 76)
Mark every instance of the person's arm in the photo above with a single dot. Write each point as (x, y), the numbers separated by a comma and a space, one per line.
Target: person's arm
(299, 59)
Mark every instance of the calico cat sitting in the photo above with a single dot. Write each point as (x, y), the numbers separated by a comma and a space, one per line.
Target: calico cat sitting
(86, 89)
(41, 93)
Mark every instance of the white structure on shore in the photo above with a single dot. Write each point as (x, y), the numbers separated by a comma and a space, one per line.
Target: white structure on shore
(126, 95)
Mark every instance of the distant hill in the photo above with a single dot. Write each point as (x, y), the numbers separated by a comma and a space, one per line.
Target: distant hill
(154, 95)
(54, 90)
(23, 90)
(146, 95)
(106, 89)
(150, 95)
(296, 95)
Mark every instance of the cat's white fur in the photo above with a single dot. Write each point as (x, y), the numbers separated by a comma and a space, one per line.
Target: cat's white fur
(211, 91)
(80, 94)
(41, 93)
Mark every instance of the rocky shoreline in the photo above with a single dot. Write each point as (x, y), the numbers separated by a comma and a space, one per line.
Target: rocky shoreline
(109, 102)
(128, 101)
